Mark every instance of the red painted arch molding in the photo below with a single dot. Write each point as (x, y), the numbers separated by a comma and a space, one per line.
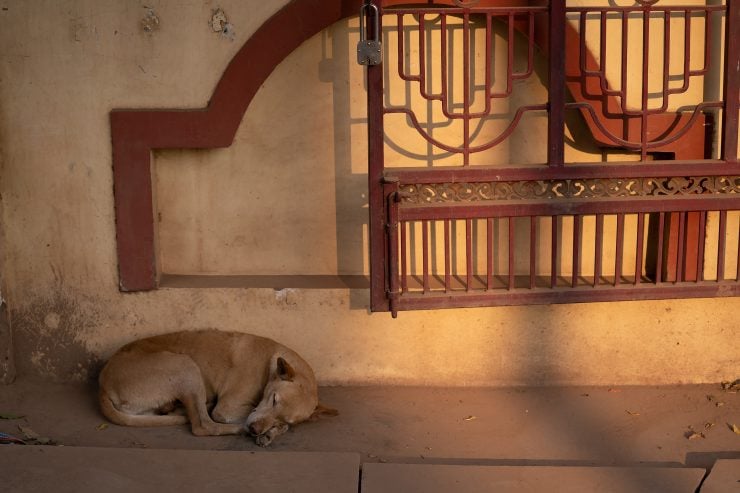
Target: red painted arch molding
(135, 133)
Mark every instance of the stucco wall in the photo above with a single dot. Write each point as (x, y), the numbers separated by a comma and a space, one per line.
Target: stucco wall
(66, 64)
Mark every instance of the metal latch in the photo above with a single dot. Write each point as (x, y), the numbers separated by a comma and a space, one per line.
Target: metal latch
(369, 51)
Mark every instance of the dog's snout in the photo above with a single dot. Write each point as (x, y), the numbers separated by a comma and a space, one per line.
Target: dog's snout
(253, 429)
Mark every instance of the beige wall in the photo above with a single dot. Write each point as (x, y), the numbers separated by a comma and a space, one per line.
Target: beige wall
(298, 163)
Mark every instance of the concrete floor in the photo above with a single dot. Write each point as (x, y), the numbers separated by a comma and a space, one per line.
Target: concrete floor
(582, 437)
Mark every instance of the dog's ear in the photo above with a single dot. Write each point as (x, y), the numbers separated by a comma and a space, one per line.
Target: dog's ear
(284, 370)
(322, 410)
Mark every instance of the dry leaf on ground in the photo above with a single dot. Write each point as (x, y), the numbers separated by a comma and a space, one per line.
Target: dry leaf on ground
(631, 413)
(10, 416)
(470, 418)
(734, 428)
(28, 433)
(692, 435)
(34, 438)
(101, 426)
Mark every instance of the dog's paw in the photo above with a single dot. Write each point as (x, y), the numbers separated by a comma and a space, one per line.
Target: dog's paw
(263, 440)
(267, 437)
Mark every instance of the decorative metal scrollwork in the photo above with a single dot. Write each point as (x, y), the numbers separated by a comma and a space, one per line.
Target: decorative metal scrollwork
(569, 189)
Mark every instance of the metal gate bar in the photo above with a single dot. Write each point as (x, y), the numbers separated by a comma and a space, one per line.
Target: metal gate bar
(511, 286)
(641, 115)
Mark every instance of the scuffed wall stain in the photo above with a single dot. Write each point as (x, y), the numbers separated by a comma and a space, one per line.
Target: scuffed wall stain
(49, 337)
(150, 22)
(80, 31)
(7, 364)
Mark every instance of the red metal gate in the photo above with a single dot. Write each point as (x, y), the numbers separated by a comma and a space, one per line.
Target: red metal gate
(473, 233)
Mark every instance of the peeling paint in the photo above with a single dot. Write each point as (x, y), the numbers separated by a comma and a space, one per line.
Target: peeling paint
(150, 22)
(220, 24)
(287, 296)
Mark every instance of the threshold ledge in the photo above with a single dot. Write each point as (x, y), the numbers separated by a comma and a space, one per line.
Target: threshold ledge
(276, 282)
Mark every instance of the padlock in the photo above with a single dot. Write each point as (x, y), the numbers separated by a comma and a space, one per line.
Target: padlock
(369, 51)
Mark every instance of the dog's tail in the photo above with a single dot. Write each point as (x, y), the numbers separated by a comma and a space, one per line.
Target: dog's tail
(119, 417)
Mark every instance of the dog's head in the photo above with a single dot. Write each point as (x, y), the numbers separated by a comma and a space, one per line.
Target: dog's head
(289, 398)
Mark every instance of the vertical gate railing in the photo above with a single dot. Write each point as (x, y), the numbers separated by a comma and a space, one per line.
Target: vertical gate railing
(473, 233)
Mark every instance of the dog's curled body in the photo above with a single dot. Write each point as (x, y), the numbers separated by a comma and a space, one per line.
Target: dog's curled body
(251, 383)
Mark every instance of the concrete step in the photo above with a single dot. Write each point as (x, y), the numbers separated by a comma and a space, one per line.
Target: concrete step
(89, 469)
(724, 478)
(32, 468)
(413, 478)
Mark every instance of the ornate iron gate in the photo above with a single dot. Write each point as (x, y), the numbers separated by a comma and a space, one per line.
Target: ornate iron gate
(460, 231)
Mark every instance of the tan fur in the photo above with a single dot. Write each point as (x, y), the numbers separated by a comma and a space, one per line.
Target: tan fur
(255, 383)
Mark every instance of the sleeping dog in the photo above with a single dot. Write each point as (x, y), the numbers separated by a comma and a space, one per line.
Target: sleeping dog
(247, 382)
